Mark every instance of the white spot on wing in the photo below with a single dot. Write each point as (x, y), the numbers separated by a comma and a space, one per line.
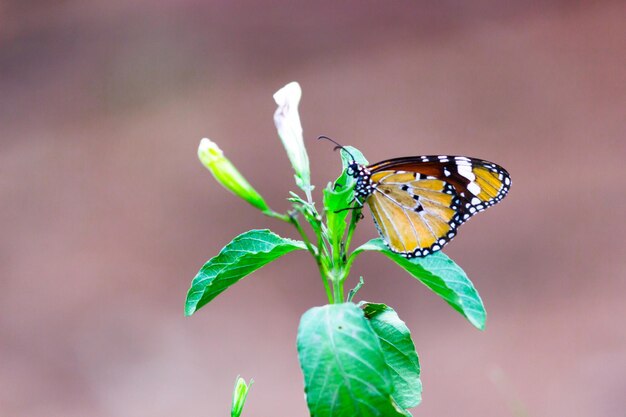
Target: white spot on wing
(466, 171)
(473, 187)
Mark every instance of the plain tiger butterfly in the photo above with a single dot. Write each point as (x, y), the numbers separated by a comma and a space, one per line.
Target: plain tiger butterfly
(419, 202)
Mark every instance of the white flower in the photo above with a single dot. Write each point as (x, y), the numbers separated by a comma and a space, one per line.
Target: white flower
(289, 128)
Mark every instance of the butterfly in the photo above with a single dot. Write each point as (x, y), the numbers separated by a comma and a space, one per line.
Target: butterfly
(419, 202)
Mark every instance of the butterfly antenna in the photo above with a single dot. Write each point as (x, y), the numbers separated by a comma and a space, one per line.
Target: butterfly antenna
(339, 146)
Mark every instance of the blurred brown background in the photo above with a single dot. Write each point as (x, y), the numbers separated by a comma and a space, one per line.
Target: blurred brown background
(106, 213)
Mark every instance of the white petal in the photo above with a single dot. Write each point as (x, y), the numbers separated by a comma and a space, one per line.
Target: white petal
(287, 121)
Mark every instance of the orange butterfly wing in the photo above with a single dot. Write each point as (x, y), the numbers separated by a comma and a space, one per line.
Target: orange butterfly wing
(419, 202)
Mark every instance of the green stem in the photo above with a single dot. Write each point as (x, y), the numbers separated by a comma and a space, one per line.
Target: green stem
(294, 220)
(356, 289)
(329, 292)
(309, 197)
(279, 216)
(351, 258)
(337, 290)
(316, 254)
(354, 219)
(330, 257)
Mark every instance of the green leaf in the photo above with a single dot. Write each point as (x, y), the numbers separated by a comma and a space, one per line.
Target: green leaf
(441, 275)
(344, 368)
(339, 196)
(244, 254)
(349, 152)
(399, 351)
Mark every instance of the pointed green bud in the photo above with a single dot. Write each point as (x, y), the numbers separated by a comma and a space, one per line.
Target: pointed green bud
(239, 396)
(287, 121)
(226, 174)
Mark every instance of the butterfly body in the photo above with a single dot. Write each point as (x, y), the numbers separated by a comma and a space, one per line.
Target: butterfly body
(419, 202)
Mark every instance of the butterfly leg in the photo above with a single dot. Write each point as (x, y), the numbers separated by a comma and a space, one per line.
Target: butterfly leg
(357, 206)
(343, 252)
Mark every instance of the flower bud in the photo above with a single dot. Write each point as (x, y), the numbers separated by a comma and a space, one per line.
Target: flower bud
(287, 121)
(226, 174)
(239, 396)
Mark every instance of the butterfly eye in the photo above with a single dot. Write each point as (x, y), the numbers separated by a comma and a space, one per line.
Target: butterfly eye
(352, 170)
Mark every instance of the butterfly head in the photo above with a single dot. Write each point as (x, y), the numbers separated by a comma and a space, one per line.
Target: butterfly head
(364, 185)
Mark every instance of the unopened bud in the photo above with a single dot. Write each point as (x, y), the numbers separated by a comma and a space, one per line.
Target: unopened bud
(226, 174)
(239, 396)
